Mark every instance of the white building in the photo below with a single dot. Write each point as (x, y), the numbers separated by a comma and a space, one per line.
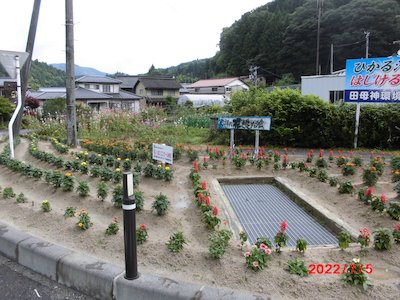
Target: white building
(222, 86)
(328, 87)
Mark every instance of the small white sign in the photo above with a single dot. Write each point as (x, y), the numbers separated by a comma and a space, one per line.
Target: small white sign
(129, 182)
(163, 153)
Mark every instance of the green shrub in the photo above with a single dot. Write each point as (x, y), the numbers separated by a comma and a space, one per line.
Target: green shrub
(333, 181)
(8, 193)
(54, 107)
(219, 242)
(382, 239)
(176, 241)
(394, 210)
(83, 189)
(263, 240)
(102, 191)
(21, 198)
(161, 204)
(322, 175)
(346, 187)
(139, 200)
(118, 196)
(301, 245)
(297, 266)
(344, 240)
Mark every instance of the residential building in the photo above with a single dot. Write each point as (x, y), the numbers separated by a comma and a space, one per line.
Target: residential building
(328, 87)
(8, 88)
(222, 86)
(154, 89)
(98, 92)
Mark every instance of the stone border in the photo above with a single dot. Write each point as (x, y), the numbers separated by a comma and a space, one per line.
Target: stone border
(100, 279)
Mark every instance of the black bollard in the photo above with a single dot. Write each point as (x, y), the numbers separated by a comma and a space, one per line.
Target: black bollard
(129, 207)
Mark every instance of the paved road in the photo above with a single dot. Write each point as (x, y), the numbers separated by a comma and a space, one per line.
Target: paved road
(19, 283)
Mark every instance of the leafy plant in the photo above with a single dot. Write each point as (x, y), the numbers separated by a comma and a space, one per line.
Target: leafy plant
(394, 210)
(321, 163)
(396, 233)
(344, 240)
(84, 222)
(378, 203)
(168, 173)
(322, 175)
(45, 205)
(357, 160)
(364, 238)
(281, 237)
(355, 274)
(313, 172)
(149, 170)
(139, 200)
(83, 189)
(257, 257)
(348, 169)
(102, 191)
(113, 227)
(345, 187)
(210, 217)
(69, 212)
(117, 175)
(219, 242)
(301, 245)
(21, 198)
(243, 237)
(333, 181)
(370, 176)
(239, 161)
(263, 240)
(8, 193)
(382, 240)
(161, 204)
(141, 234)
(297, 266)
(67, 182)
(118, 195)
(176, 241)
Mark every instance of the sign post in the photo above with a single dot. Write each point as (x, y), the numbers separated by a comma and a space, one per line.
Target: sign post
(129, 208)
(372, 80)
(163, 153)
(232, 142)
(245, 123)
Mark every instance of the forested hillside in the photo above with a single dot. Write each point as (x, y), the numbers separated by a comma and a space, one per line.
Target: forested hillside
(281, 37)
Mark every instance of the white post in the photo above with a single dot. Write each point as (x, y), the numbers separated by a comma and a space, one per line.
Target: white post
(257, 145)
(19, 104)
(232, 144)
(357, 124)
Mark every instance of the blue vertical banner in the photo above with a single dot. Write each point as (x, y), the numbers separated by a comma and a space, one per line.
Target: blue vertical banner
(373, 80)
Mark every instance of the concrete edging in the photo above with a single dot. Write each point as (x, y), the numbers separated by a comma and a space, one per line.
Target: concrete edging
(100, 279)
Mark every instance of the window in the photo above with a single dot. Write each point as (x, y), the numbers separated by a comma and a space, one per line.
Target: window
(336, 96)
(87, 86)
(196, 90)
(96, 87)
(141, 92)
(157, 92)
(171, 93)
(214, 89)
(228, 89)
(106, 88)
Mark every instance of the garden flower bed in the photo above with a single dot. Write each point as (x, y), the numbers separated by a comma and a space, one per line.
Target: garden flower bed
(193, 263)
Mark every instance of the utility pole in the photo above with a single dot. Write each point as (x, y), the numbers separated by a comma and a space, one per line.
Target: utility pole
(26, 70)
(367, 33)
(319, 6)
(253, 74)
(70, 70)
(331, 58)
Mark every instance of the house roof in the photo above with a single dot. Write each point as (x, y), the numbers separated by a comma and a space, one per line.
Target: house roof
(123, 95)
(97, 79)
(128, 82)
(159, 82)
(2, 80)
(213, 82)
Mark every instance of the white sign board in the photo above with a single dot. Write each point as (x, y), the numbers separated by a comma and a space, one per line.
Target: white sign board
(246, 123)
(163, 153)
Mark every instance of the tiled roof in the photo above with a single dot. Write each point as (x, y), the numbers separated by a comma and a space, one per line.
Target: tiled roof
(125, 96)
(128, 82)
(85, 94)
(166, 83)
(97, 79)
(2, 80)
(212, 82)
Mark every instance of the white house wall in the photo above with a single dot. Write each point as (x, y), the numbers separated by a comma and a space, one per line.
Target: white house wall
(321, 85)
(237, 85)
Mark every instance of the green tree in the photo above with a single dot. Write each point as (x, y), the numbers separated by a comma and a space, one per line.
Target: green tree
(54, 106)
(6, 110)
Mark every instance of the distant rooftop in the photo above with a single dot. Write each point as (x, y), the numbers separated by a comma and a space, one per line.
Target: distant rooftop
(213, 82)
(97, 79)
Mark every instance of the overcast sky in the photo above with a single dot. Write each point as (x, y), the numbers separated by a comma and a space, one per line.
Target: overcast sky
(124, 35)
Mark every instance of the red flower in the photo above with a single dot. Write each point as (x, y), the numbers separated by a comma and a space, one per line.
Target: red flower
(312, 151)
(383, 199)
(200, 196)
(369, 191)
(215, 210)
(216, 151)
(383, 154)
(364, 233)
(243, 157)
(285, 158)
(248, 150)
(208, 200)
(203, 185)
(285, 150)
(143, 227)
(283, 226)
(371, 154)
(196, 166)
(205, 159)
(396, 227)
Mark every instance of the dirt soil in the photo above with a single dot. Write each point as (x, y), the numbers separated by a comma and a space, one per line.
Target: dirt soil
(193, 263)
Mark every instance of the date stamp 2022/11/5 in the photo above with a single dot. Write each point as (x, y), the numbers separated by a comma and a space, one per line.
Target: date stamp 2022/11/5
(337, 269)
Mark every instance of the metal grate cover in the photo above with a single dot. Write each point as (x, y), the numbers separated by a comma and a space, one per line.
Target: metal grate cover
(262, 207)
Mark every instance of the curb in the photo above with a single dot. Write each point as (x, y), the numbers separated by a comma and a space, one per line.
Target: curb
(99, 279)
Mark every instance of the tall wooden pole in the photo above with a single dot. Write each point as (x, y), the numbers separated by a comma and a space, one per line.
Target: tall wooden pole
(70, 80)
(26, 70)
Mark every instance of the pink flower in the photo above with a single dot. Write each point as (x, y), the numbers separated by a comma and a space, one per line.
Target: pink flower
(205, 158)
(215, 211)
(285, 158)
(396, 227)
(268, 251)
(364, 233)
(339, 152)
(312, 151)
(321, 153)
(285, 150)
(371, 154)
(116, 219)
(203, 185)
(283, 226)
(247, 254)
(368, 192)
(263, 246)
(143, 227)
(331, 153)
(383, 199)
(255, 264)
